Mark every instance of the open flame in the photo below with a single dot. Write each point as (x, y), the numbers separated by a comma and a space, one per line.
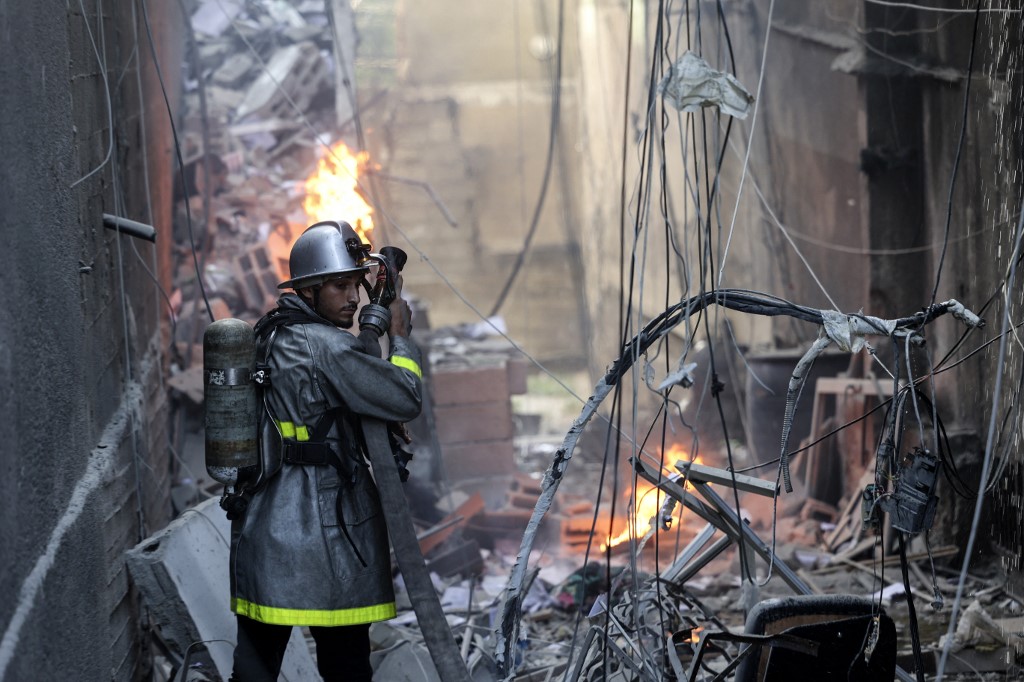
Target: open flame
(332, 190)
(332, 193)
(649, 500)
(648, 505)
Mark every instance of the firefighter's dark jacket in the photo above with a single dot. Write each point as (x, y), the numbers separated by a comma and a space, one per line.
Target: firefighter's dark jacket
(300, 555)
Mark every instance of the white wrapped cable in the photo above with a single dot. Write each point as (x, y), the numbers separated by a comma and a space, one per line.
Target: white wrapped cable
(796, 387)
(957, 310)
(848, 331)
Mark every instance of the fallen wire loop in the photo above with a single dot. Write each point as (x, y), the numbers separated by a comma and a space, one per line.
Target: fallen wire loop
(742, 300)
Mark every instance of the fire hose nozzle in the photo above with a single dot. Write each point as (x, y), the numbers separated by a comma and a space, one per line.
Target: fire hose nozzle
(375, 318)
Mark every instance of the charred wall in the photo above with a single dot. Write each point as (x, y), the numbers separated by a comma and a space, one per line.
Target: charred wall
(84, 461)
(866, 103)
(983, 213)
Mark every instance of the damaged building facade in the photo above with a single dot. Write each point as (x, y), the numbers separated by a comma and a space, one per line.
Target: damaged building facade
(528, 158)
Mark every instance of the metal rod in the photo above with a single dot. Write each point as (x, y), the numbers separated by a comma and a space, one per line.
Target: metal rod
(129, 227)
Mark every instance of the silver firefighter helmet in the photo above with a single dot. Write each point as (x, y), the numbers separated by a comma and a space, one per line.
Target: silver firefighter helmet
(325, 250)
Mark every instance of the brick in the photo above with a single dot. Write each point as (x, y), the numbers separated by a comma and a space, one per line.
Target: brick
(518, 369)
(522, 500)
(575, 530)
(474, 422)
(502, 521)
(525, 483)
(479, 459)
(477, 385)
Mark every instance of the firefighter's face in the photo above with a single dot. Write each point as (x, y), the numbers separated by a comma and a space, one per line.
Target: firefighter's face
(339, 299)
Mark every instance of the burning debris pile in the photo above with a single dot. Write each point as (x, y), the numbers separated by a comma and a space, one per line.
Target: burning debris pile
(667, 590)
(262, 84)
(265, 154)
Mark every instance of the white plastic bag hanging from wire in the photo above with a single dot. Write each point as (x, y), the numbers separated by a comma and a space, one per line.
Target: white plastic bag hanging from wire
(692, 84)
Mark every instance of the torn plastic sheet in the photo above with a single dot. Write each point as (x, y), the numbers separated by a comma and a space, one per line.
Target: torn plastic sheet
(692, 84)
(681, 377)
(848, 331)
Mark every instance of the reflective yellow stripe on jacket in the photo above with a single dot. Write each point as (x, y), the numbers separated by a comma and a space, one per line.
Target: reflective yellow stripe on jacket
(279, 616)
(407, 363)
(290, 430)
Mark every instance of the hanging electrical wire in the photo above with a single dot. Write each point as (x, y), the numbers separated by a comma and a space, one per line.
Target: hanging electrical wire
(181, 160)
(959, 150)
(742, 300)
(553, 131)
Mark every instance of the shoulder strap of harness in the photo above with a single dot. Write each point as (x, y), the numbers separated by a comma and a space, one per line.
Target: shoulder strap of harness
(316, 450)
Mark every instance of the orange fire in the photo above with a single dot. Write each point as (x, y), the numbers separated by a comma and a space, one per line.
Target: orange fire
(332, 193)
(648, 502)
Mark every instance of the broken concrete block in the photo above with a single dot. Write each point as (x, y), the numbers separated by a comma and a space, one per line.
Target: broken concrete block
(233, 70)
(298, 70)
(182, 575)
(407, 662)
(213, 18)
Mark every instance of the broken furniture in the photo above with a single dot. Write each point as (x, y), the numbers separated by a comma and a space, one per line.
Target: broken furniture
(854, 636)
(720, 516)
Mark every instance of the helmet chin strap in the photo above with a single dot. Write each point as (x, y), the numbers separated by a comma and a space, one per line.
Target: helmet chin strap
(316, 300)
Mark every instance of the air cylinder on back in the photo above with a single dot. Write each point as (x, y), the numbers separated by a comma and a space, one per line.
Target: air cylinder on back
(229, 357)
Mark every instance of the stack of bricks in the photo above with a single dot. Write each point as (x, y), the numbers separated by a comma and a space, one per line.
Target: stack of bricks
(473, 414)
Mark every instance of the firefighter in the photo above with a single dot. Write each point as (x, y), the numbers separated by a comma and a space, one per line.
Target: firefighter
(311, 546)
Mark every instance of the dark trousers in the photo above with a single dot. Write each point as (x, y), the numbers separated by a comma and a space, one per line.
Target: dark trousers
(342, 653)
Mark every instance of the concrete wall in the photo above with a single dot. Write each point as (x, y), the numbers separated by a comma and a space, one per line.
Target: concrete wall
(83, 461)
(471, 115)
(987, 201)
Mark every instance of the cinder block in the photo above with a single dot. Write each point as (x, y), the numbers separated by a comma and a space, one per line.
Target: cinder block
(258, 277)
(479, 459)
(473, 422)
(477, 385)
(522, 500)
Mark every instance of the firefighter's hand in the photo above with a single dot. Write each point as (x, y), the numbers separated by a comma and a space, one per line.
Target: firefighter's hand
(401, 314)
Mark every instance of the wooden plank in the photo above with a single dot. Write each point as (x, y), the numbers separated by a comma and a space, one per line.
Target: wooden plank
(843, 385)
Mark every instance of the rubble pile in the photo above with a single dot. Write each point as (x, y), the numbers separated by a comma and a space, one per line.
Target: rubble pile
(673, 606)
(260, 82)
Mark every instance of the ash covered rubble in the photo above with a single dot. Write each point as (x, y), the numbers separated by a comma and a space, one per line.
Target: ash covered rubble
(259, 78)
(680, 608)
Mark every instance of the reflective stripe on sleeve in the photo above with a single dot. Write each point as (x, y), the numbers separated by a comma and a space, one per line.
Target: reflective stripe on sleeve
(279, 616)
(290, 430)
(407, 363)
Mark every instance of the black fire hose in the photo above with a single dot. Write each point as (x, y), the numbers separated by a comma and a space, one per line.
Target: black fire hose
(436, 634)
